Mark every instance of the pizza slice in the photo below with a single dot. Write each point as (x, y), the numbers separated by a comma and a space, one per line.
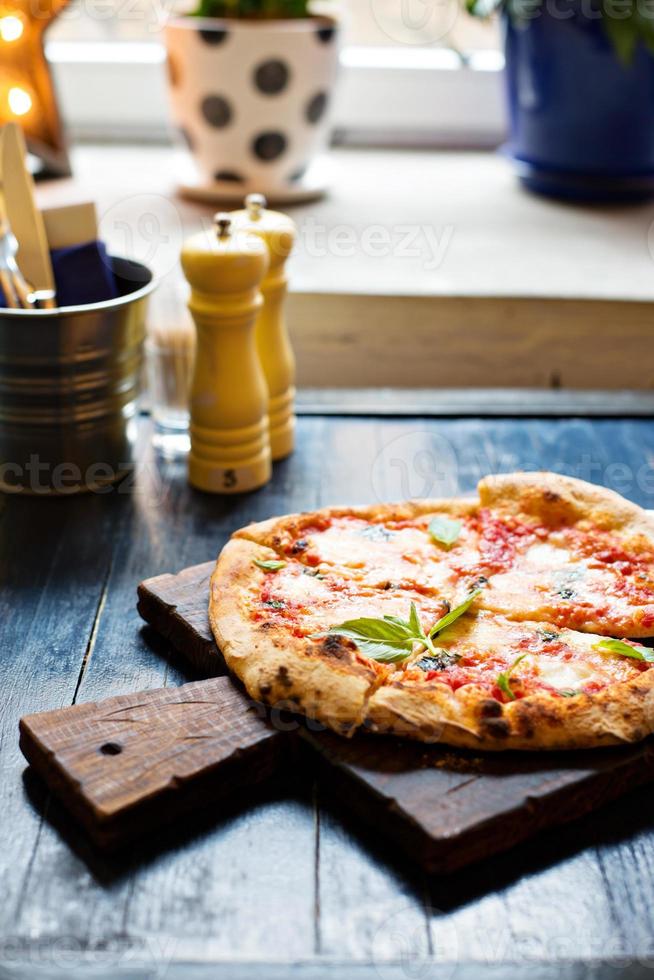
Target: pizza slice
(564, 551)
(495, 683)
(421, 544)
(271, 619)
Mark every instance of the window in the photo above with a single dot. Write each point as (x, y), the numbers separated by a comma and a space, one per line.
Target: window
(414, 72)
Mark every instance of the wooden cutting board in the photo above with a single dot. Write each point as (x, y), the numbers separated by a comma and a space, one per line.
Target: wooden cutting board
(126, 764)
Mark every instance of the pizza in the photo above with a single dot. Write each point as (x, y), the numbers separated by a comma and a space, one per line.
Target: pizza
(507, 621)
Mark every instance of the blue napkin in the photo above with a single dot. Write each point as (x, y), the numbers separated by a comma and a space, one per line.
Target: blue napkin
(82, 274)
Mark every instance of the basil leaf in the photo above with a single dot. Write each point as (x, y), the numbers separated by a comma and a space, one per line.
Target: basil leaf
(269, 566)
(414, 621)
(504, 679)
(387, 640)
(444, 530)
(624, 650)
(391, 639)
(401, 624)
(568, 694)
(453, 614)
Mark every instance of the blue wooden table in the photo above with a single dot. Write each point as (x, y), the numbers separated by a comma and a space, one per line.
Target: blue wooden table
(288, 887)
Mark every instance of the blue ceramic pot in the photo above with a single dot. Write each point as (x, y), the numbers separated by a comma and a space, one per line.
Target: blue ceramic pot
(582, 123)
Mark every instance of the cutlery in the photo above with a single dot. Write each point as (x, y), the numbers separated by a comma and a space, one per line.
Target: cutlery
(15, 289)
(25, 219)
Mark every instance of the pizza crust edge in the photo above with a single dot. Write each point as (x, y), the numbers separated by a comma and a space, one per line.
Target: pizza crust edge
(619, 714)
(271, 532)
(551, 497)
(328, 680)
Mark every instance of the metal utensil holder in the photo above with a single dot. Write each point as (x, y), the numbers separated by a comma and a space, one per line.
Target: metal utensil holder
(69, 383)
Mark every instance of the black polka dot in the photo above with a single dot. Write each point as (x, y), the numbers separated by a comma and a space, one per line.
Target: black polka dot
(271, 77)
(297, 175)
(316, 107)
(216, 110)
(186, 137)
(269, 146)
(325, 34)
(229, 175)
(211, 36)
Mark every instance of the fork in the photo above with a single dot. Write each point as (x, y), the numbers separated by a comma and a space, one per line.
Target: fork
(17, 293)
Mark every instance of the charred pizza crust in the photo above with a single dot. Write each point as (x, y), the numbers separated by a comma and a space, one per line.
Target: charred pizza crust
(325, 679)
(588, 565)
(280, 533)
(557, 499)
(618, 714)
(329, 680)
(414, 705)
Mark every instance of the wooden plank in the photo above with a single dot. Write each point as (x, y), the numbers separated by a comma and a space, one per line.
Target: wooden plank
(473, 402)
(180, 882)
(353, 339)
(449, 809)
(219, 893)
(504, 911)
(176, 607)
(365, 883)
(52, 581)
(127, 764)
(107, 967)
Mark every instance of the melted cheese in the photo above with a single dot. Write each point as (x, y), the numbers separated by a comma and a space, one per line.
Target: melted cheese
(353, 549)
(566, 674)
(406, 555)
(547, 555)
(304, 588)
(312, 602)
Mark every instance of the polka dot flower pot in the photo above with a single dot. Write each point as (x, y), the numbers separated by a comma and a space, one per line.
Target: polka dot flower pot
(251, 99)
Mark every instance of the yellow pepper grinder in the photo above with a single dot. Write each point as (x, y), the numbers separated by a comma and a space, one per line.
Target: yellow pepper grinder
(230, 444)
(275, 351)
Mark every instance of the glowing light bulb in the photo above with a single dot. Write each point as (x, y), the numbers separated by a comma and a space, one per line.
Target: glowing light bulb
(11, 28)
(19, 101)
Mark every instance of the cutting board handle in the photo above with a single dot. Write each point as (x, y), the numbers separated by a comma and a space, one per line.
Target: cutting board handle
(123, 765)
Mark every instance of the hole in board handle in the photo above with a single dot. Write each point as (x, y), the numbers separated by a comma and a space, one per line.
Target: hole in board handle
(111, 748)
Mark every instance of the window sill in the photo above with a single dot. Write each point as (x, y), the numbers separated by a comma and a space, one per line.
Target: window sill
(420, 268)
(384, 95)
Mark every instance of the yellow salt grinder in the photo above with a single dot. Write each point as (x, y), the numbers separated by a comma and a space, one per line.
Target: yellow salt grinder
(275, 351)
(230, 443)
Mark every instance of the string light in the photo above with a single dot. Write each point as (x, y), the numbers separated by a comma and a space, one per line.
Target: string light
(19, 101)
(26, 92)
(11, 28)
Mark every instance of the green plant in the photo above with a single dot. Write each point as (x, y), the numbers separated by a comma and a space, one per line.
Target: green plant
(626, 22)
(254, 9)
